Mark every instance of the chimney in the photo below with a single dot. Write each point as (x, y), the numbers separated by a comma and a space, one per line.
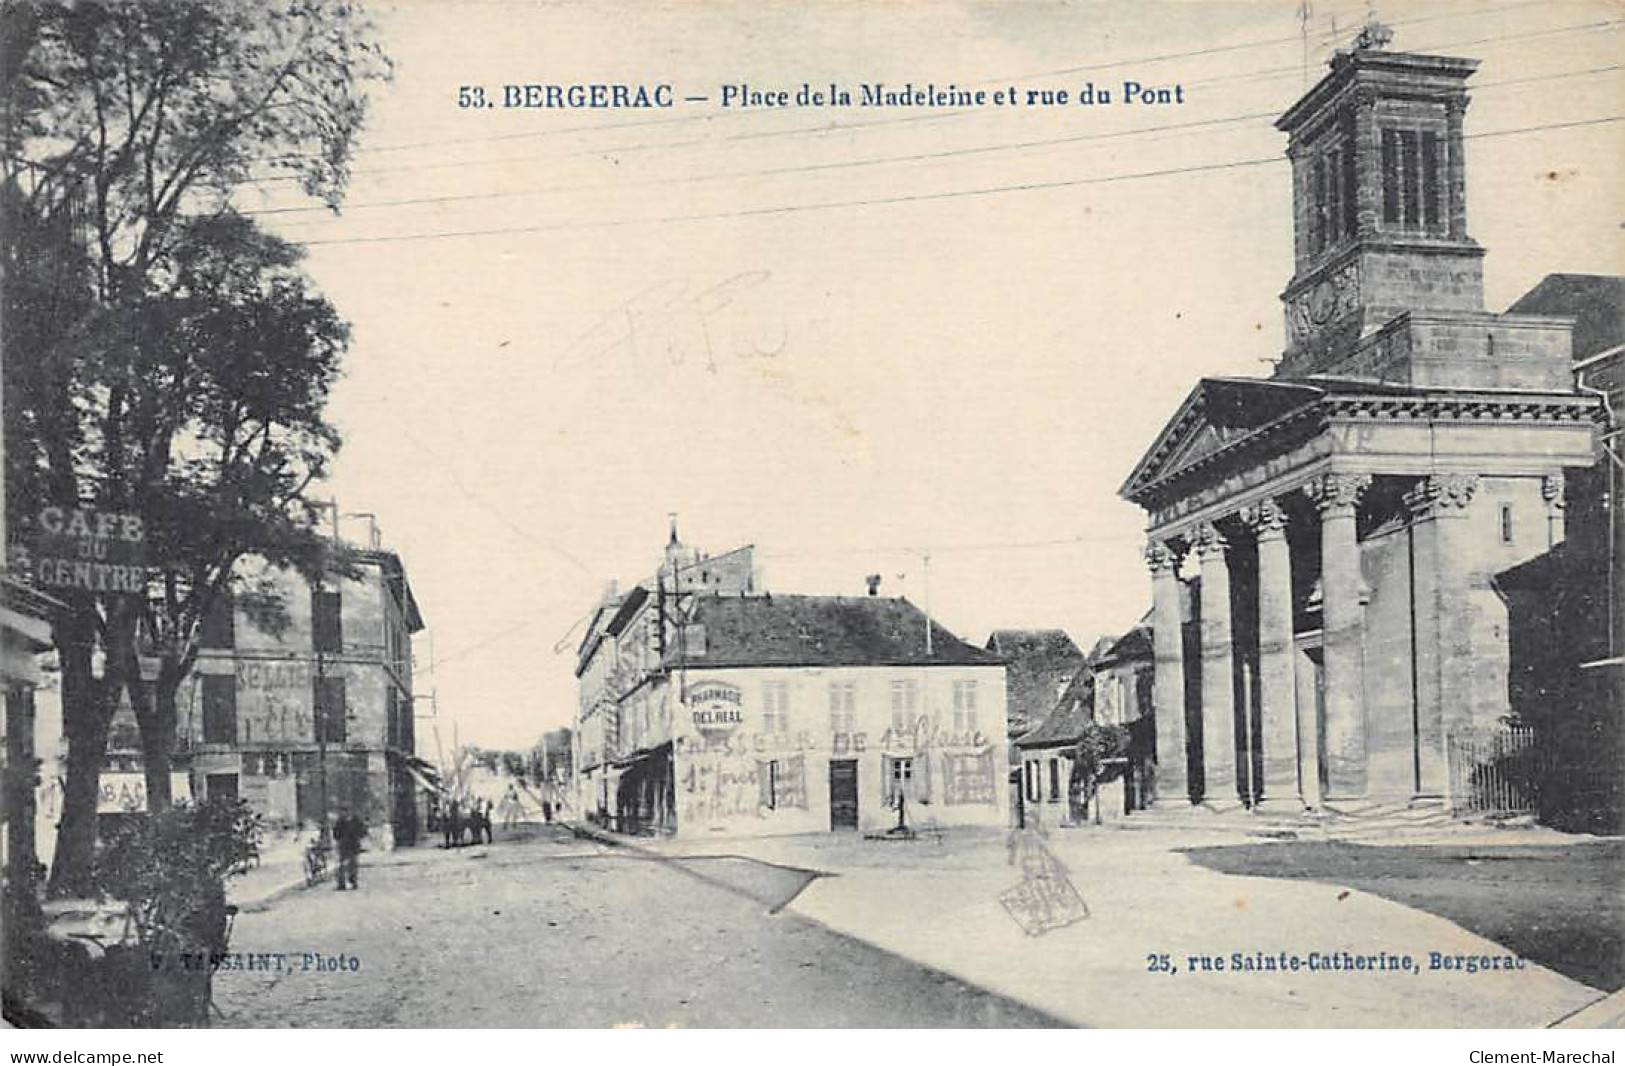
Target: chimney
(873, 581)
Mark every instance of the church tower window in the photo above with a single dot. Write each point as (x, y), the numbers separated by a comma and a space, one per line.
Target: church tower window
(1412, 185)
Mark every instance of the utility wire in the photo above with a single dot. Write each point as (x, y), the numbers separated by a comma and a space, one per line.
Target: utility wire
(991, 190)
(1161, 57)
(619, 150)
(836, 127)
(913, 157)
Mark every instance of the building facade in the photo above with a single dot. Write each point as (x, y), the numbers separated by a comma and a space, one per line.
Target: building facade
(308, 708)
(743, 713)
(1333, 534)
(1567, 607)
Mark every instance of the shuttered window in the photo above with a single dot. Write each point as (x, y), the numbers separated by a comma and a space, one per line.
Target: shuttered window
(219, 709)
(330, 709)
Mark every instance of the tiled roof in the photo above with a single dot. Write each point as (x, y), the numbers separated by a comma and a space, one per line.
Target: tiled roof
(1065, 724)
(1026, 643)
(777, 630)
(1040, 662)
(1597, 301)
(1135, 644)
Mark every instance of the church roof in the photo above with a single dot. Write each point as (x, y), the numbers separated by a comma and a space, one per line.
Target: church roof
(1216, 413)
(1237, 415)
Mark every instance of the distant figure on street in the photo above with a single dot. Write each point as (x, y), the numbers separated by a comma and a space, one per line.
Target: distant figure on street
(485, 822)
(347, 834)
(454, 825)
(547, 811)
(510, 808)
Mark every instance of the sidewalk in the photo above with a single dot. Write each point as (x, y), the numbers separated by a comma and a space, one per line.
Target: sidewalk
(281, 870)
(938, 904)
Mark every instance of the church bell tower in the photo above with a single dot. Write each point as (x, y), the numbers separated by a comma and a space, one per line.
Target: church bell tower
(1379, 202)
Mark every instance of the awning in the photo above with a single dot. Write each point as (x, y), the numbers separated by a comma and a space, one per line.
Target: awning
(640, 756)
(422, 772)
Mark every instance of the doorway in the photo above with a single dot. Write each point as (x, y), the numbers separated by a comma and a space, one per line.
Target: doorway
(843, 794)
(222, 787)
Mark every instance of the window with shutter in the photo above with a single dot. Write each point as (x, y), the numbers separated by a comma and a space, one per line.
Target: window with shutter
(219, 625)
(327, 625)
(905, 703)
(219, 709)
(331, 711)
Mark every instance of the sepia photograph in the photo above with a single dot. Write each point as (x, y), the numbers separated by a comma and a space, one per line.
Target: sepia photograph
(816, 515)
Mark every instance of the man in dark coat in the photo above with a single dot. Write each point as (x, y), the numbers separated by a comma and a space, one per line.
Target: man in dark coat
(347, 834)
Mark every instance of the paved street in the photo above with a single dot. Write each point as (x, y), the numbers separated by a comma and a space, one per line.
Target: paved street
(552, 931)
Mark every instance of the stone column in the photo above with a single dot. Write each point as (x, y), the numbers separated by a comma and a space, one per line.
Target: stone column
(1368, 163)
(1456, 168)
(1301, 210)
(1551, 490)
(1308, 686)
(1168, 688)
(1443, 664)
(1342, 613)
(1218, 674)
(1277, 695)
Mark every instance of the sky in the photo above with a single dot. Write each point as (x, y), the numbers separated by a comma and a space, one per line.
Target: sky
(856, 338)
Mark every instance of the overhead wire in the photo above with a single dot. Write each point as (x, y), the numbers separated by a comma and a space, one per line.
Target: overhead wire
(990, 190)
(946, 153)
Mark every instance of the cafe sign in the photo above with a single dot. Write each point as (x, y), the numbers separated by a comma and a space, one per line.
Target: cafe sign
(89, 550)
(717, 707)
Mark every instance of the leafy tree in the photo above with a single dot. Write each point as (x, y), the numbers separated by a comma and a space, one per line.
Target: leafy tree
(171, 871)
(1096, 746)
(180, 366)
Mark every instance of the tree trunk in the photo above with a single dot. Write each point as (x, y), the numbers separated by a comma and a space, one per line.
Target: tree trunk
(155, 713)
(86, 715)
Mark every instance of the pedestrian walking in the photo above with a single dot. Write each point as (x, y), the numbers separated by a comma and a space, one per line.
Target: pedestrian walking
(347, 834)
(510, 808)
(485, 822)
(454, 825)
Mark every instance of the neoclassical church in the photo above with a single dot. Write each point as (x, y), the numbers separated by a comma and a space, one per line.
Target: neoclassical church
(1323, 544)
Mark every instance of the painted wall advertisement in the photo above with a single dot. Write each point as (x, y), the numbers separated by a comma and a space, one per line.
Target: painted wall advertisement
(126, 793)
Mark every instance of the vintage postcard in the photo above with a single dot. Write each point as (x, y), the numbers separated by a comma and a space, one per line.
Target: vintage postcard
(815, 515)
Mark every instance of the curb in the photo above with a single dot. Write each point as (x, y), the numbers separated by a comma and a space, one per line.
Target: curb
(263, 900)
(678, 862)
(1605, 1013)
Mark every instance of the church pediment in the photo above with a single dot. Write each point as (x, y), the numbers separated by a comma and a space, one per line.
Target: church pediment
(1218, 413)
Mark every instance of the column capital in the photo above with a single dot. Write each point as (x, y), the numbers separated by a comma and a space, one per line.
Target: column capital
(1551, 490)
(1267, 518)
(1161, 559)
(1441, 495)
(1336, 495)
(1210, 542)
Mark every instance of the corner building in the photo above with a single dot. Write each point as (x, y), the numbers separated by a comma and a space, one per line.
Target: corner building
(1324, 544)
(315, 714)
(707, 708)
